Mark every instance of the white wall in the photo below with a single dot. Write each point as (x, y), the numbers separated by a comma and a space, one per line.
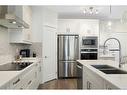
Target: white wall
(117, 30)
(36, 24)
(42, 16)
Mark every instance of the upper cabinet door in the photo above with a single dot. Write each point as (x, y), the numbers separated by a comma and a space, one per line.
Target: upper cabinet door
(89, 27)
(49, 18)
(68, 26)
(115, 27)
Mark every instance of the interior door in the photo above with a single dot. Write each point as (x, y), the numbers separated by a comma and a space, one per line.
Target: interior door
(49, 54)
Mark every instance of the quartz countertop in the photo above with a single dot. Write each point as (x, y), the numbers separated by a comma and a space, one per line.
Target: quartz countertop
(119, 80)
(107, 55)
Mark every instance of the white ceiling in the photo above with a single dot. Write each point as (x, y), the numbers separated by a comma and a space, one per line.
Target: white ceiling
(77, 11)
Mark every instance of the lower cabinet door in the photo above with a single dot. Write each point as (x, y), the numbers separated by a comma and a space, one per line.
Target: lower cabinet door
(32, 85)
(110, 86)
(91, 80)
(16, 83)
(28, 78)
(6, 86)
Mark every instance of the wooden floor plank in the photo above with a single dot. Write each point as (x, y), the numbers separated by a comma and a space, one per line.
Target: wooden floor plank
(60, 84)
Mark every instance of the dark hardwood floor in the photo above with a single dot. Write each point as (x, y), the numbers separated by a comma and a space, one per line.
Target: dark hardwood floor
(60, 84)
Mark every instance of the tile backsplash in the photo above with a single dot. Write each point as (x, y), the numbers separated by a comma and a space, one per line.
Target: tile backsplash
(37, 48)
(8, 51)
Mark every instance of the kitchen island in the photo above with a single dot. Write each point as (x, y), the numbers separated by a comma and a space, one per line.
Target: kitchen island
(96, 79)
(27, 78)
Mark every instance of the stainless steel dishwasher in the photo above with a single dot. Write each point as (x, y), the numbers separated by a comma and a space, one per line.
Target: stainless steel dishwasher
(79, 76)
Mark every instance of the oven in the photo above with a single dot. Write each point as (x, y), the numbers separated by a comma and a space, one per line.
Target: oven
(89, 54)
(89, 42)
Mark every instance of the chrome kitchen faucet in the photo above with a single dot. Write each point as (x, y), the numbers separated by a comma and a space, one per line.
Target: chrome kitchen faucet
(120, 63)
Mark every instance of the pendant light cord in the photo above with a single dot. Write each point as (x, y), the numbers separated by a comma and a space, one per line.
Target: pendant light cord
(110, 10)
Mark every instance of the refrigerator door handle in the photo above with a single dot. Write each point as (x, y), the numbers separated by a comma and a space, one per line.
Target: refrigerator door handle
(68, 48)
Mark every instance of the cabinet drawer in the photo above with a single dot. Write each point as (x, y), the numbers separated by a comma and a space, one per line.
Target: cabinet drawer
(16, 83)
(28, 78)
(32, 85)
(110, 86)
(96, 80)
(6, 86)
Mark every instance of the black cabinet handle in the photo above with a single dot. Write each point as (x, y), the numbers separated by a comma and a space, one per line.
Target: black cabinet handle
(29, 82)
(16, 82)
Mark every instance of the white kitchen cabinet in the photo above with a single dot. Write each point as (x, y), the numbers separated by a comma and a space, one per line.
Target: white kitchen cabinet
(28, 78)
(49, 18)
(89, 27)
(6, 86)
(22, 35)
(16, 83)
(92, 80)
(38, 74)
(110, 86)
(83, 27)
(68, 26)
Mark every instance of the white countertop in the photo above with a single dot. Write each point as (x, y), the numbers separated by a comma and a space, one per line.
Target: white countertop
(119, 80)
(7, 76)
(107, 55)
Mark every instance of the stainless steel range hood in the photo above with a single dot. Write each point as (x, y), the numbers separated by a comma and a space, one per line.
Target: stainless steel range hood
(10, 20)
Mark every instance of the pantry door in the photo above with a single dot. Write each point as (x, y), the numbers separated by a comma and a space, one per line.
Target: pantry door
(49, 54)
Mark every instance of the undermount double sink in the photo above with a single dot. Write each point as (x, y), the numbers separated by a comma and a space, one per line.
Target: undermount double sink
(109, 69)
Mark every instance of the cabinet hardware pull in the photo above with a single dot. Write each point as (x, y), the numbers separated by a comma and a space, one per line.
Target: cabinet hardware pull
(29, 82)
(40, 69)
(87, 84)
(16, 82)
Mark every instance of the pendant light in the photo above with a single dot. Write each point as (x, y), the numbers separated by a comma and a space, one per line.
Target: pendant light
(109, 22)
(90, 11)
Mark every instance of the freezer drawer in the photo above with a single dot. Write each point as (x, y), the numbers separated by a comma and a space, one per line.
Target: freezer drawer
(67, 69)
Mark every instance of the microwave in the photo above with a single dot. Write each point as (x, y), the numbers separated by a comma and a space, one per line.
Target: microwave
(90, 42)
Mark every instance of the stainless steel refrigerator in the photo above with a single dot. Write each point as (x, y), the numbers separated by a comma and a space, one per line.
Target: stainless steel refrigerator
(68, 53)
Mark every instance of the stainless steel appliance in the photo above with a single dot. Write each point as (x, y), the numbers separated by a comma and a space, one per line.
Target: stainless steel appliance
(25, 52)
(9, 19)
(79, 76)
(68, 53)
(88, 54)
(90, 42)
